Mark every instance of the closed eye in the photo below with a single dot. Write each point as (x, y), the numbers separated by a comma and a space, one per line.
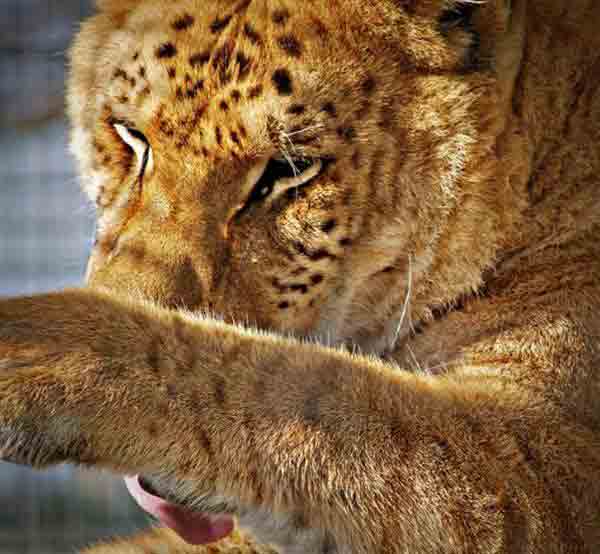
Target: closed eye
(280, 176)
(140, 146)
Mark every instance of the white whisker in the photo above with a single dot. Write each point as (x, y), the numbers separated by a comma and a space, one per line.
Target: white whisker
(316, 127)
(412, 355)
(406, 301)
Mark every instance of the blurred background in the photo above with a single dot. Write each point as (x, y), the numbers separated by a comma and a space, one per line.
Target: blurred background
(46, 228)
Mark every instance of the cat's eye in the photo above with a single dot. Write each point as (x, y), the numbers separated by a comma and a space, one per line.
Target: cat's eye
(140, 146)
(282, 175)
(459, 15)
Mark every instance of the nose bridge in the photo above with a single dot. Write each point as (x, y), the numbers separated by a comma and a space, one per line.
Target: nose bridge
(173, 265)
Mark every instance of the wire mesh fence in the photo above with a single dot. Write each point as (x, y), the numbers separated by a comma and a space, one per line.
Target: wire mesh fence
(45, 233)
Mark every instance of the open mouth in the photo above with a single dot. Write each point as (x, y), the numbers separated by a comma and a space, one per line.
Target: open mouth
(193, 527)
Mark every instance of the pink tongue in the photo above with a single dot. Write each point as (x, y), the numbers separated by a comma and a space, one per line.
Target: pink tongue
(193, 528)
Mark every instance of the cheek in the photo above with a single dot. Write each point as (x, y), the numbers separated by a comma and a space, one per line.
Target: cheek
(275, 287)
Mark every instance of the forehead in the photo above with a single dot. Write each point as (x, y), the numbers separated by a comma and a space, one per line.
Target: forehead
(267, 23)
(210, 76)
(234, 51)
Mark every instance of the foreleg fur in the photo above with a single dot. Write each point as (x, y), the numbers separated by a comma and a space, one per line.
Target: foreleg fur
(165, 541)
(382, 459)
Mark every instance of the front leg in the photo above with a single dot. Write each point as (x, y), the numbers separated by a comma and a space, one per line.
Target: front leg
(378, 459)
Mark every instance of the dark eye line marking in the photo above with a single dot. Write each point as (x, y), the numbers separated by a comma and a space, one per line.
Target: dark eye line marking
(275, 171)
(143, 168)
(142, 138)
(457, 16)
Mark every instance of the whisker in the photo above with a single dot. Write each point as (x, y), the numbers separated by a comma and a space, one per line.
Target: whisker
(316, 127)
(406, 300)
(412, 355)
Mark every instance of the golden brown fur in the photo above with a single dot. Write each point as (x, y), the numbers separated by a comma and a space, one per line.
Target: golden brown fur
(451, 236)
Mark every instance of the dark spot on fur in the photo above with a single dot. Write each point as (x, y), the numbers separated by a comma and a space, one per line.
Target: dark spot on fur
(172, 72)
(166, 128)
(243, 131)
(251, 34)
(142, 72)
(204, 442)
(244, 65)
(280, 16)
(299, 287)
(199, 113)
(219, 390)
(442, 444)
(236, 96)
(184, 22)
(179, 93)
(221, 61)
(345, 242)
(283, 82)
(183, 142)
(166, 50)
(219, 24)
(120, 74)
(312, 411)
(235, 137)
(290, 45)
(193, 91)
(223, 106)
(123, 99)
(347, 133)
(316, 279)
(321, 254)
(300, 248)
(328, 225)
(330, 109)
(153, 359)
(320, 27)
(299, 271)
(283, 305)
(368, 85)
(296, 109)
(255, 92)
(199, 59)
(219, 136)
(136, 56)
(356, 159)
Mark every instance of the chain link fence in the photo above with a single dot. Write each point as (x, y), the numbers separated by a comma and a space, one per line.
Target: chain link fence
(46, 228)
